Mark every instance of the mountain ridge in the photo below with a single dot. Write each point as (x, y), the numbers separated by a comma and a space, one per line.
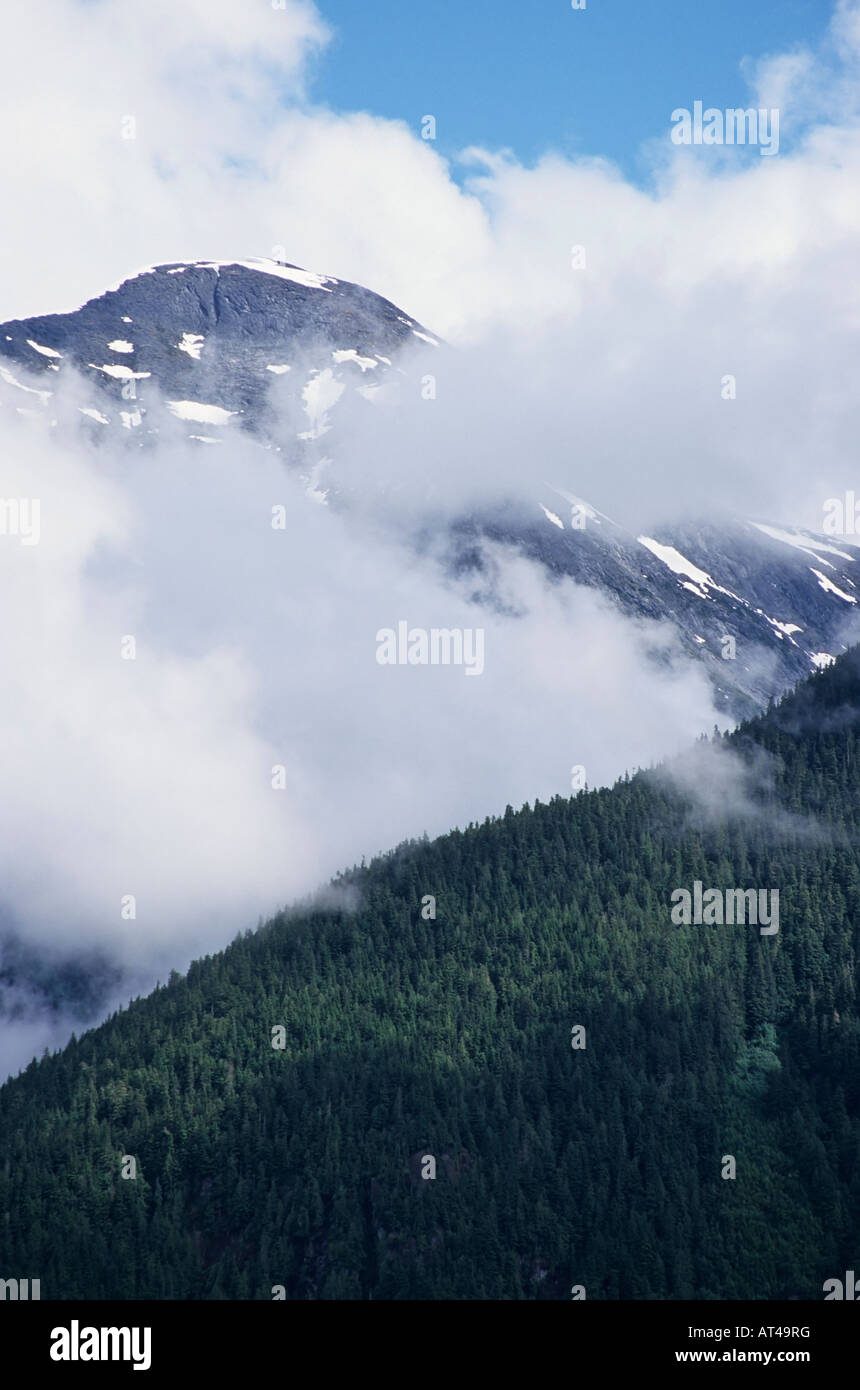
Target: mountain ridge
(275, 351)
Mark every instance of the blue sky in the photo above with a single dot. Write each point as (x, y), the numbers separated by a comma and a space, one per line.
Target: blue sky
(537, 75)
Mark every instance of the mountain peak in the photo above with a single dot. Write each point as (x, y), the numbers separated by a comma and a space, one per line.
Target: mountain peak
(212, 337)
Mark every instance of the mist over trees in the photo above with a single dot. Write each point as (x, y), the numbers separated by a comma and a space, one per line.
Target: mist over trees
(579, 1069)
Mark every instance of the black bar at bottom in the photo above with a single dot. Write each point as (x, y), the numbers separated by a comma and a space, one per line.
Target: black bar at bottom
(400, 1340)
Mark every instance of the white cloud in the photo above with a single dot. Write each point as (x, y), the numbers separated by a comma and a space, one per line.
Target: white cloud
(256, 648)
(128, 131)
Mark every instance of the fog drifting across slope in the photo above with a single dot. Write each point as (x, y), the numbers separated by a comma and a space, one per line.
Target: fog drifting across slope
(256, 648)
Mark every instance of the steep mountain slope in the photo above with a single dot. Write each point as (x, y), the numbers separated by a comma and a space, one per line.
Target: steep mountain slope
(408, 1036)
(787, 599)
(211, 337)
(277, 351)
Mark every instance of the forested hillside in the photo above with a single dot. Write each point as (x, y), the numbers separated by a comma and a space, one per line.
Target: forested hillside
(407, 1037)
